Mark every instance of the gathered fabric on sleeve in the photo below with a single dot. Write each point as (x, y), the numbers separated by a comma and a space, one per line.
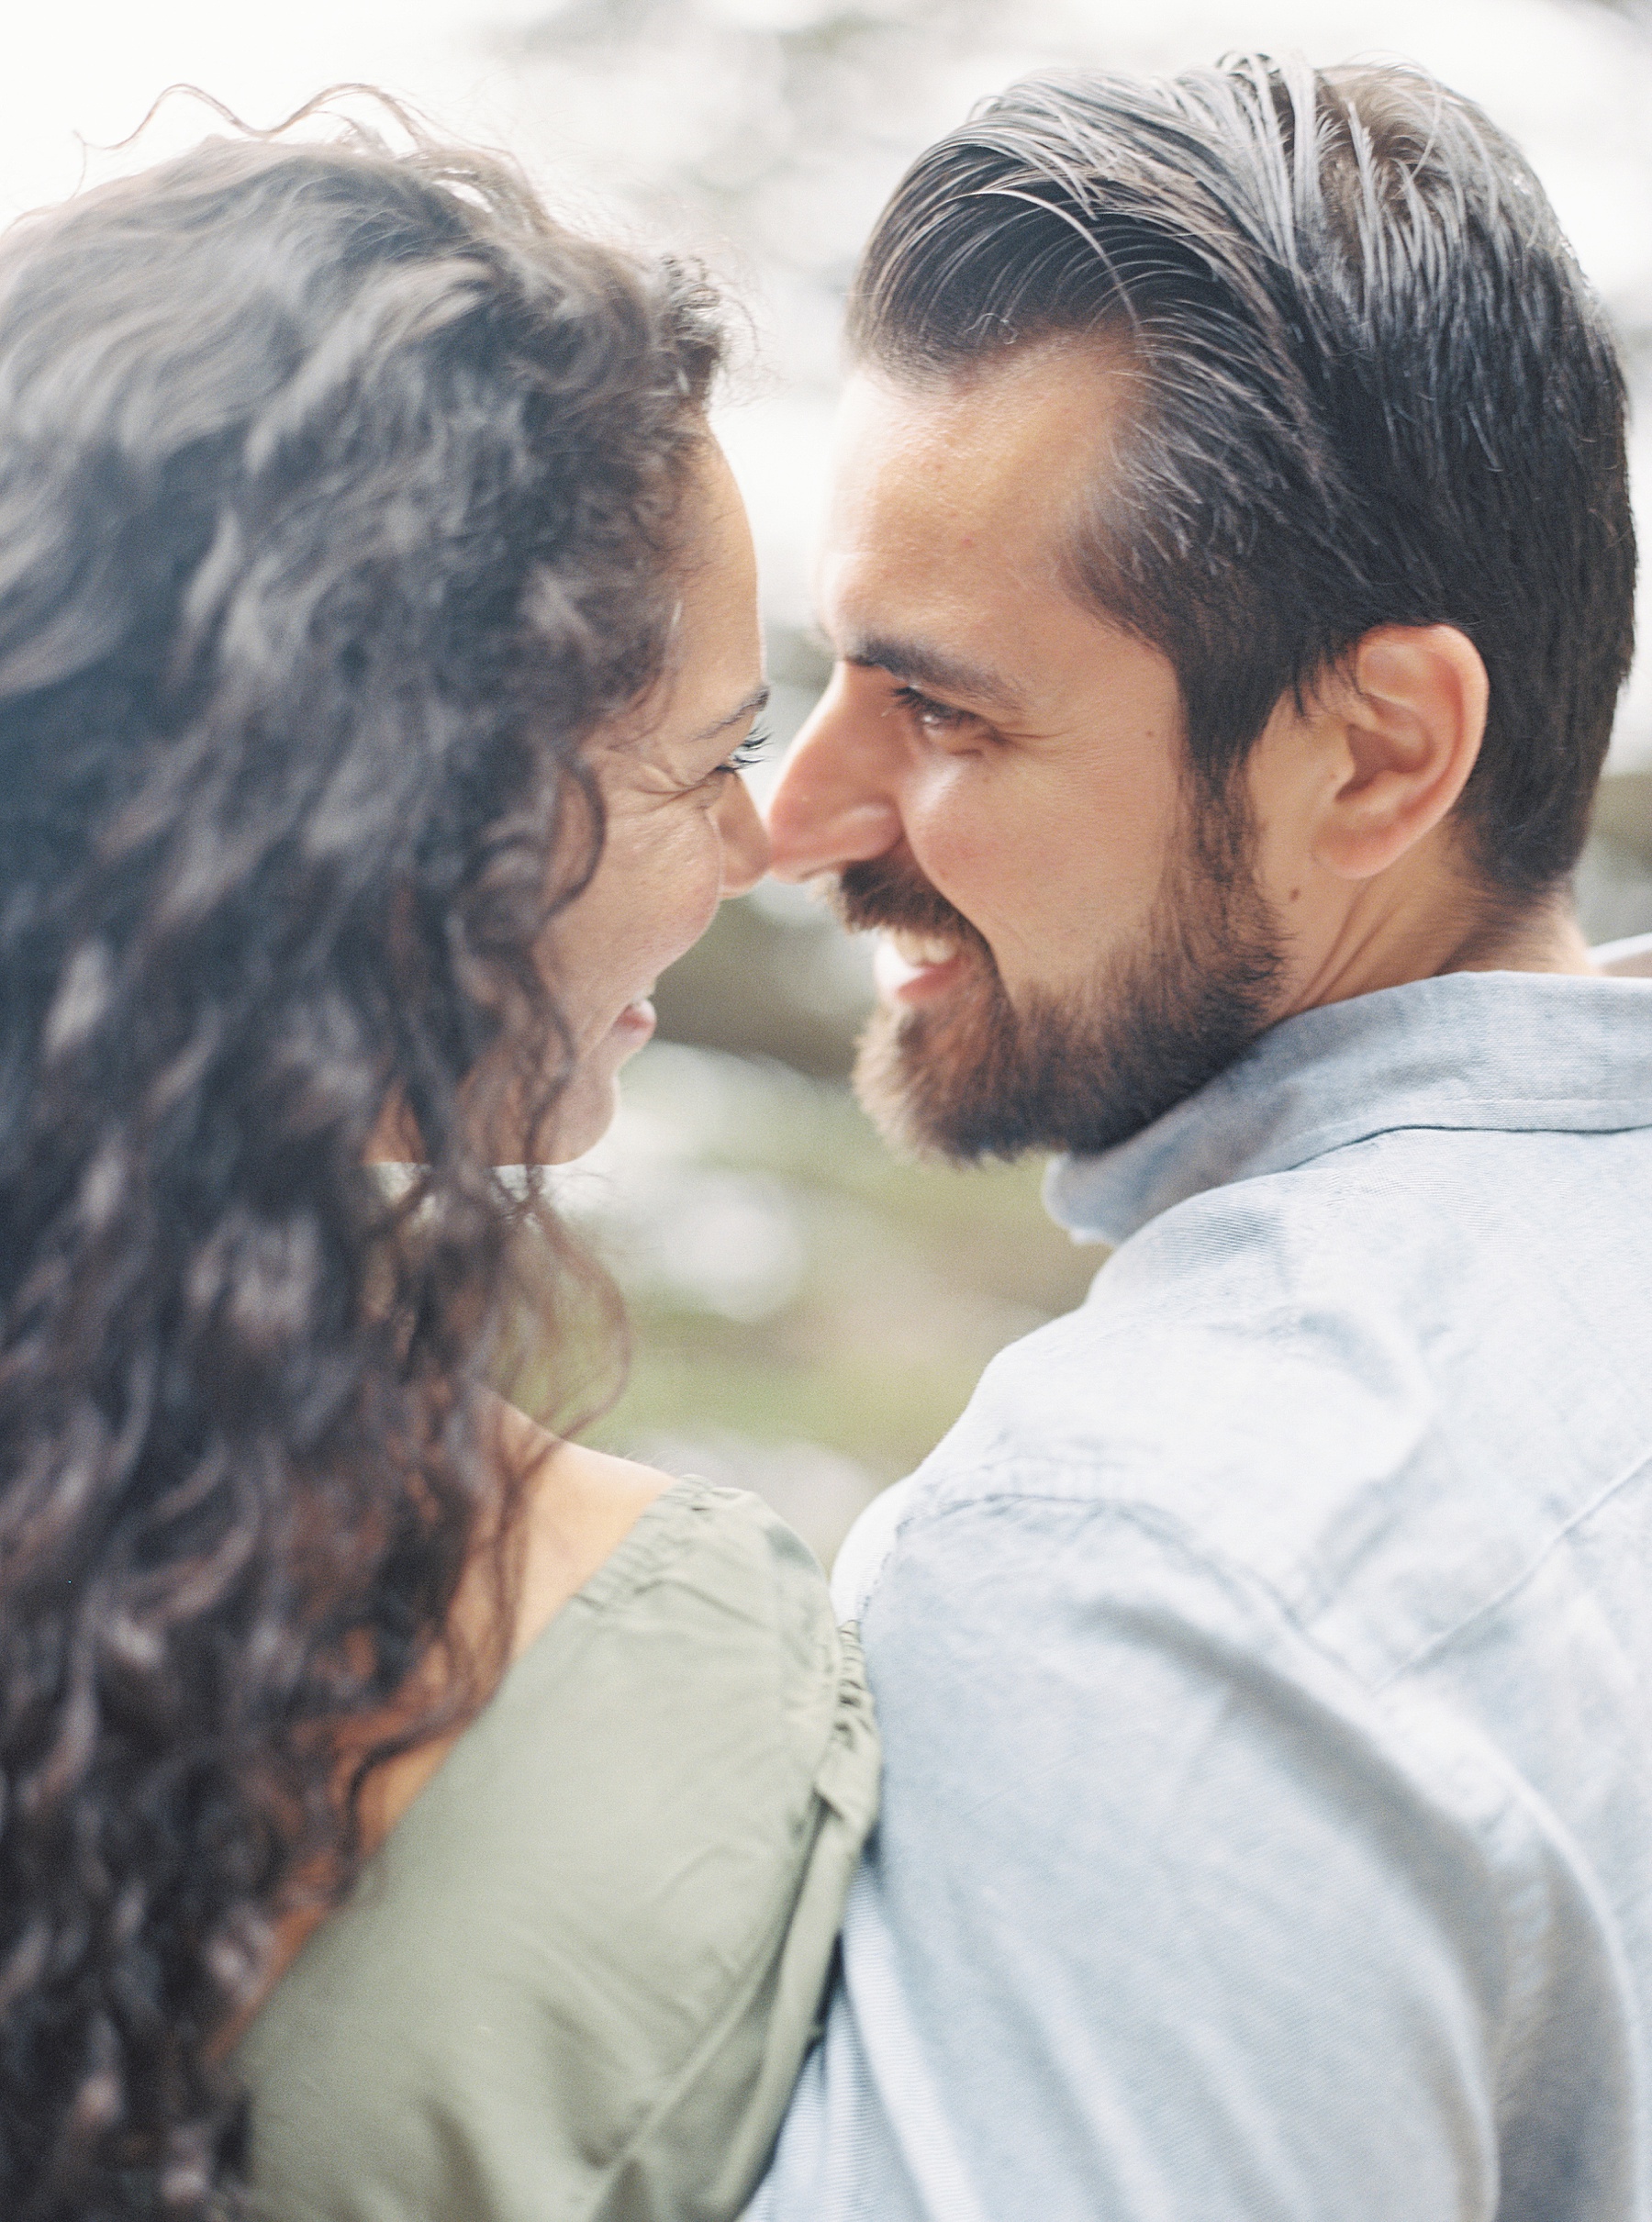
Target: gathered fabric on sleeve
(577, 1981)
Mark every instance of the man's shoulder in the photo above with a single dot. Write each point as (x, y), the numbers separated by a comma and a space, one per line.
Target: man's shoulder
(1247, 1338)
(1319, 1382)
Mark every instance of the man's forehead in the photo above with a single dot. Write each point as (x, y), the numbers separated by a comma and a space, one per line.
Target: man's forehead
(1009, 446)
(1030, 416)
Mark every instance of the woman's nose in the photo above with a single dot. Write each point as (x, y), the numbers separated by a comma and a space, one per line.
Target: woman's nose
(745, 843)
(833, 806)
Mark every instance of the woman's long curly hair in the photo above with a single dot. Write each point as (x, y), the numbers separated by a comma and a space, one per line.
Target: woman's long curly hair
(342, 497)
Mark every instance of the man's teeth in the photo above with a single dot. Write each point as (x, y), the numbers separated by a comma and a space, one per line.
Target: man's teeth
(920, 950)
(903, 957)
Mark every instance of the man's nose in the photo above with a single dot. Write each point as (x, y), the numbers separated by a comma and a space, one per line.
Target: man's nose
(834, 805)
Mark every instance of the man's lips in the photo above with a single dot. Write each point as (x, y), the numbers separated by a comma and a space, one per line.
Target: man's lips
(909, 968)
(636, 1022)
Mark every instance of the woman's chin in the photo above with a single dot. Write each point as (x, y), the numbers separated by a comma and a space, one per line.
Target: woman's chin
(582, 1117)
(585, 1109)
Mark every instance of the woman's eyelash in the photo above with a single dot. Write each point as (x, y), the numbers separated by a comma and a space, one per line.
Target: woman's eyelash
(752, 749)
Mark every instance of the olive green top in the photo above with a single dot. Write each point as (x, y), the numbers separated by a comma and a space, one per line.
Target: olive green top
(580, 1976)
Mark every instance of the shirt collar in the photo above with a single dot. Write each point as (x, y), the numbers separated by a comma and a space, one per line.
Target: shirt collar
(1509, 1051)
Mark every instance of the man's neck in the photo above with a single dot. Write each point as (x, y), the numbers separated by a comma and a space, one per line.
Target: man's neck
(1421, 925)
(1548, 940)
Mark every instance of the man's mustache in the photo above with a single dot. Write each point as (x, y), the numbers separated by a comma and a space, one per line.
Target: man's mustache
(881, 892)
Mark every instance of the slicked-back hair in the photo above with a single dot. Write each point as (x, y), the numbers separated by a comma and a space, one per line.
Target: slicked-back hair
(343, 495)
(1368, 385)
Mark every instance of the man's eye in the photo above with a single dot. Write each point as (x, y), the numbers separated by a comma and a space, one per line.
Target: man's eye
(935, 717)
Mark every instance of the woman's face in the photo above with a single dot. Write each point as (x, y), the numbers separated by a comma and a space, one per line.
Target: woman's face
(682, 831)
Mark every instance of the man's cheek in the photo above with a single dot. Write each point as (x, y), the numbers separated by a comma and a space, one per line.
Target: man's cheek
(969, 858)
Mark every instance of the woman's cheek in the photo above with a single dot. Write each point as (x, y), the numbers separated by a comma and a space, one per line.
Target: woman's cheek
(697, 890)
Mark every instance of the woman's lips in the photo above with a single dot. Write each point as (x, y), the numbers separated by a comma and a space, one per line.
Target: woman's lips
(912, 967)
(635, 1024)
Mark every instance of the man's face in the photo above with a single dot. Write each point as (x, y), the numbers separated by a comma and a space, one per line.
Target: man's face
(1073, 938)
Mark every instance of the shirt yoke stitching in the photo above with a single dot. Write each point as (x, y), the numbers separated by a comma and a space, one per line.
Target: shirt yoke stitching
(1637, 1470)
(1520, 1914)
(1237, 1578)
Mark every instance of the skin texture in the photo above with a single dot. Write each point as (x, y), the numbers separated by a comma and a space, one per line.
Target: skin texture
(987, 735)
(682, 833)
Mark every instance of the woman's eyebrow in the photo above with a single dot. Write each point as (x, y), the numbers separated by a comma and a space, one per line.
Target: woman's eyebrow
(755, 701)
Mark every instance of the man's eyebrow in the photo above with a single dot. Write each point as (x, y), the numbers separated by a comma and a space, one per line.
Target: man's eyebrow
(756, 701)
(918, 663)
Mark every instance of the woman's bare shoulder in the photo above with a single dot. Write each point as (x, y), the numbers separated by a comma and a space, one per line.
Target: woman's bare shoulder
(578, 1506)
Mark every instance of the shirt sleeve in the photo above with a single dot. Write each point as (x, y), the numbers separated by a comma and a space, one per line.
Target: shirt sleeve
(1161, 1920)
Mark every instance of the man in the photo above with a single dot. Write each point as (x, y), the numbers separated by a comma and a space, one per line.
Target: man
(1230, 579)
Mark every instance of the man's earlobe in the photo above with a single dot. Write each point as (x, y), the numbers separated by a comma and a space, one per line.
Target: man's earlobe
(1410, 707)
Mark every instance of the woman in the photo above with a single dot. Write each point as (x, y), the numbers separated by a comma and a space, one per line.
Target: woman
(377, 648)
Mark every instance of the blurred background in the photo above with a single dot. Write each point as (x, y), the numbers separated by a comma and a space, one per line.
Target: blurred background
(811, 1315)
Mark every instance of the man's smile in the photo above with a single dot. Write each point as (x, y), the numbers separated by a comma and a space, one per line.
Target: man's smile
(910, 967)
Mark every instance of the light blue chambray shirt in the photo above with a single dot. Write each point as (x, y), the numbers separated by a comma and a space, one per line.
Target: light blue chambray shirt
(1265, 1670)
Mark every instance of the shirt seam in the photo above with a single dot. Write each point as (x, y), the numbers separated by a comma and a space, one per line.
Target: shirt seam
(1476, 1119)
(1234, 1573)
(1150, 1521)
(1641, 1466)
(1325, 1142)
(1518, 1921)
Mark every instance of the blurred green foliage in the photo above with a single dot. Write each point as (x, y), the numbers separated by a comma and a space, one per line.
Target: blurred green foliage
(809, 1314)
(906, 1280)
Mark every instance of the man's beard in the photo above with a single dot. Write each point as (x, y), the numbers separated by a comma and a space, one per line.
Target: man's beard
(969, 1076)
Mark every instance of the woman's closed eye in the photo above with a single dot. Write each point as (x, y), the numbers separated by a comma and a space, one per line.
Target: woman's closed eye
(752, 749)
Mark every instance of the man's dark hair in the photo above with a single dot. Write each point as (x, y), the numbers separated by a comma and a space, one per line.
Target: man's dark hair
(1374, 388)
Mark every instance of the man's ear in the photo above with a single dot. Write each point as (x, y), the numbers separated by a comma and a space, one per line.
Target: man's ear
(1407, 712)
